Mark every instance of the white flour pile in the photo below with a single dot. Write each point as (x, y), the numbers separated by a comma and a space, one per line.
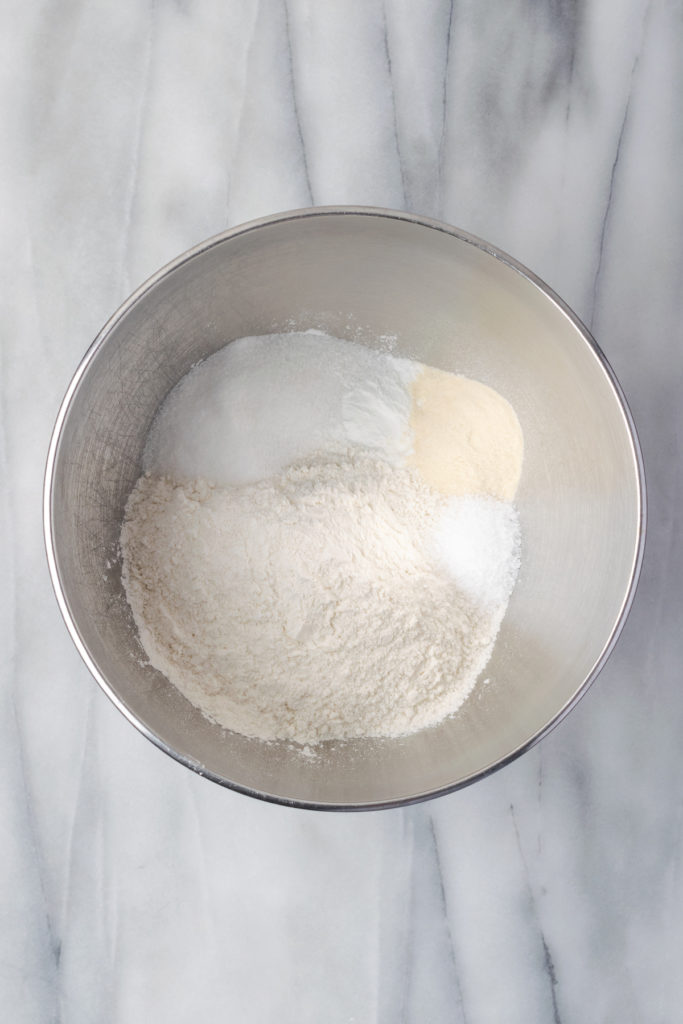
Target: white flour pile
(262, 403)
(290, 568)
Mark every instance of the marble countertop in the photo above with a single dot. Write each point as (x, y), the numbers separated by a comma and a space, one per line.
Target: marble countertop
(131, 889)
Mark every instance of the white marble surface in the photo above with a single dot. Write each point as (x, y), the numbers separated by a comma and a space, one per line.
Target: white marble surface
(132, 890)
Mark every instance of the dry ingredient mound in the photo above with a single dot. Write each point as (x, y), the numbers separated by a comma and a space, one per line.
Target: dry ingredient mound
(315, 604)
(466, 437)
(259, 404)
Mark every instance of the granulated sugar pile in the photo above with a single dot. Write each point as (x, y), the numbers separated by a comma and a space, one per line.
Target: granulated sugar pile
(301, 561)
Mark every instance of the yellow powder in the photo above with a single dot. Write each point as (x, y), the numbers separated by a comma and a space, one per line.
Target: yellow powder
(467, 438)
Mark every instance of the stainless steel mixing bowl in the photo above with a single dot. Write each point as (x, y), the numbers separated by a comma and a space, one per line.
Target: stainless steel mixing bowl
(449, 300)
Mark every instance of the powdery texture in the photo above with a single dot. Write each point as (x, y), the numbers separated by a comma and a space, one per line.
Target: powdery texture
(306, 607)
(261, 403)
(466, 437)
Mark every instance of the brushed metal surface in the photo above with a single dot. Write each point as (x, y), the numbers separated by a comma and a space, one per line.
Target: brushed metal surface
(449, 300)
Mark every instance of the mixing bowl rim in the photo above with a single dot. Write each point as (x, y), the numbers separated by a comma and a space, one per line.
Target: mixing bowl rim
(174, 265)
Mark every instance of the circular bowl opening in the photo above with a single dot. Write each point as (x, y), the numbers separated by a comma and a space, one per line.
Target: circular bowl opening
(446, 299)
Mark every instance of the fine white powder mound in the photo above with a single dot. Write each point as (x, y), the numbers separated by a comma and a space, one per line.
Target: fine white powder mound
(327, 602)
(318, 549)
(261, 403)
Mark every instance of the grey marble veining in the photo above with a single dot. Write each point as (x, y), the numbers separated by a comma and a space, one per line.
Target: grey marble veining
(132, 890)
